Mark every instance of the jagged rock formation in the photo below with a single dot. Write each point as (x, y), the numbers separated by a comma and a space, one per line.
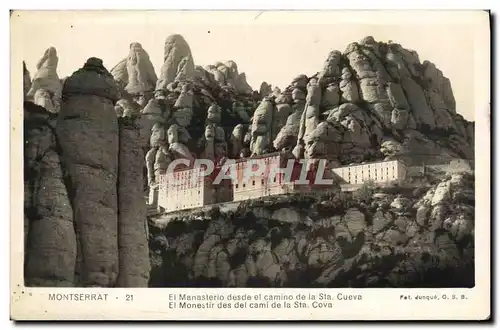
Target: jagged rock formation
(380, 240)
(373, 101)
(261, 128)
(226, 74)
(265, 89)
(185, 101)
(136, 74)
(387, 103)
(178, 62)
(46, 87)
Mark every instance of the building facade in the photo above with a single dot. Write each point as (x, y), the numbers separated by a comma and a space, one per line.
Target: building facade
(249, 178)
(184, 189)
(378, 172)
(273, 181)
(258, 184)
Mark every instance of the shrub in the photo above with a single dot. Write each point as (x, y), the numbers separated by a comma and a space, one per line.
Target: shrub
(365, 192)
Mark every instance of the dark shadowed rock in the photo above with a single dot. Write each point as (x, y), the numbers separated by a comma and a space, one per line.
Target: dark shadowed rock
(51, 242)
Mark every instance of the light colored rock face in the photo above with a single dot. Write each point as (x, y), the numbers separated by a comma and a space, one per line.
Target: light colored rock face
(47, 82)
(308, 123)
(348, 87)
(323, 142)
(287, 136)
(331, 68)
(140, 71)
(331, 96)
(226, 74)
(120, 73)
(176, 148)
(178, 62)
(261, 127)
(243, 86)
(43, 98)
(440, 84)
(236, 141)
(416, 98)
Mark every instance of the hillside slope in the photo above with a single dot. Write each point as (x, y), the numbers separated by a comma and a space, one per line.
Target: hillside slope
(380, 240)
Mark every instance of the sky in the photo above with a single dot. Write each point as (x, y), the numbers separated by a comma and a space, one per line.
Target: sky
(271, 47)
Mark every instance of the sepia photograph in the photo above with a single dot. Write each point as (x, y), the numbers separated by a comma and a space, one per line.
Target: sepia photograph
(259, 150)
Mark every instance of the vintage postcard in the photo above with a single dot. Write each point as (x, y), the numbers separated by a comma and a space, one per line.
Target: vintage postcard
(242, 165)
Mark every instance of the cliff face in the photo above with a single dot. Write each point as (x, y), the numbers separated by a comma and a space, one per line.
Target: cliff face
(371, 239)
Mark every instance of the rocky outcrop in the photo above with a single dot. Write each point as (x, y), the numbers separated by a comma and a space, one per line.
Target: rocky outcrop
(133, 250)
(371, 93)
(186, 99)
(87, 131)
(50, 240)
(265, 89)
(377, 92)
(136, 74)
(324, 241)
(261, 127)
(226, 74)
(46, 87)
(178, 62)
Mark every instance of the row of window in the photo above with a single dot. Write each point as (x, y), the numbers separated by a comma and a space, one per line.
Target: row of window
(182, 200)
(369, 169)
(237, 185)
(375, 177)
(244, 164)
(372, 166)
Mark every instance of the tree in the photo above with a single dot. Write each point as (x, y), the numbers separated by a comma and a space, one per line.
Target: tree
(365, 192)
